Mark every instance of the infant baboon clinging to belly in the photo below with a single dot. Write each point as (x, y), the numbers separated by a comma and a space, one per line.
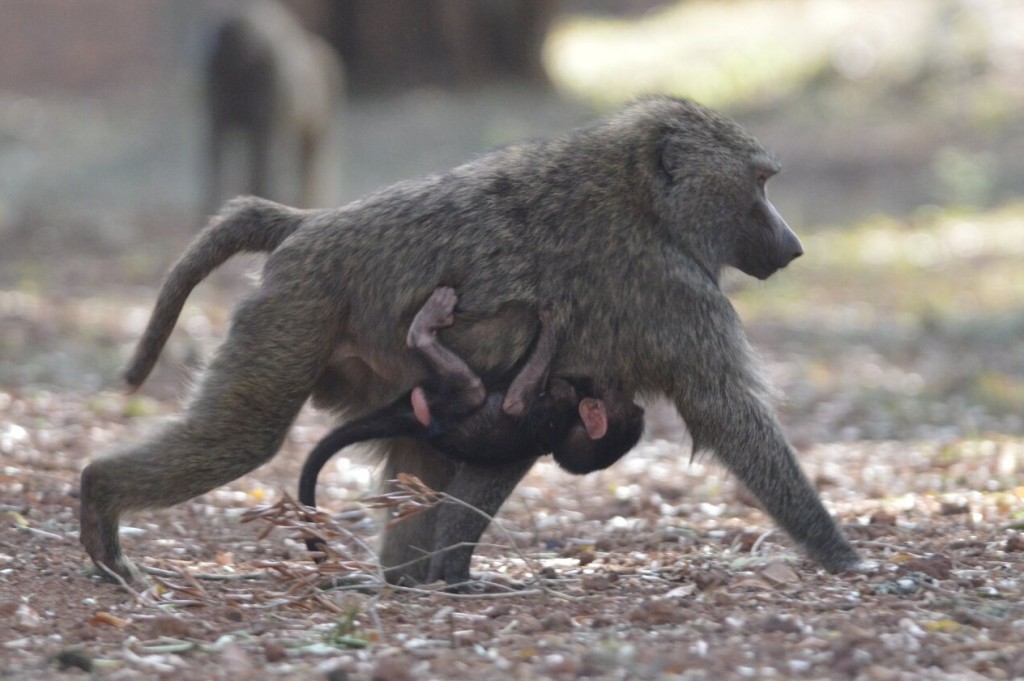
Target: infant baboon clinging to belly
(586, 428)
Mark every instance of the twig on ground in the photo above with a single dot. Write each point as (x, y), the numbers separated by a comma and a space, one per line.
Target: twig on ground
(208, 576)
(409, 496)
(874, 544)
(136, 595)
(39, 533)
(756, 546)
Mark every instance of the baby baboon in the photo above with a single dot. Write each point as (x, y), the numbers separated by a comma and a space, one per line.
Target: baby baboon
(455, 413)
(623, 226)
(272, 86)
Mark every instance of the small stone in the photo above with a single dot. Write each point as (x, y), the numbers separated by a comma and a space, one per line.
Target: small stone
(528, 624)
(558, 620)
(779, 574)
(274, 652)
(26, 619)
(954, 508)
(393, 669)
(660, 611)
(233, 614)
(498, 610)
(237, 663)
(936, 566)
(884, 518)
(601, 582)
(169, 626)
(562, 665)
(73, 659)
(786, 625)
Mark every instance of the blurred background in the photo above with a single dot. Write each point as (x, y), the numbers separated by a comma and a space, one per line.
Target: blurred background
(900, 126)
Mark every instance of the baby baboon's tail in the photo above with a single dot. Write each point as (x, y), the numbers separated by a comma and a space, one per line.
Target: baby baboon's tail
(395, 420)
(244, 224)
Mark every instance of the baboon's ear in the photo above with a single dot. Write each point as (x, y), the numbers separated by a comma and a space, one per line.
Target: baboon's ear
(671, 160)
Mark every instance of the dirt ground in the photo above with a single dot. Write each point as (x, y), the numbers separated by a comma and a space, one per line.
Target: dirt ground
(656, 569)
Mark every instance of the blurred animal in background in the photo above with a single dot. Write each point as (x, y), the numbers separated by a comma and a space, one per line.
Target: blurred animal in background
(456, 45)
(271, 91)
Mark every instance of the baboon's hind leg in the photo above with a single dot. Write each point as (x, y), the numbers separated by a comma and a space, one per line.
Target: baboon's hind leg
(246, 401)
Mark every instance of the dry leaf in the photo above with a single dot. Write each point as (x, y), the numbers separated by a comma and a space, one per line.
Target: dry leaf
(106, 619)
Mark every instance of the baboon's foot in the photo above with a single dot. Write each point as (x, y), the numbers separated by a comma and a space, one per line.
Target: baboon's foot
(118, 570)
(98, 534)
(106, 554)
(837, 558)
(450, 565)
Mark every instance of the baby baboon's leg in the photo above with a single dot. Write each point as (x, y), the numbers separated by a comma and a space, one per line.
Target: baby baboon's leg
(245, 403)
(528, 383)
(462, 384)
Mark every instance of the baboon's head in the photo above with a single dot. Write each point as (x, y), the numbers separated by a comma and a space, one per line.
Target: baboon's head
(709, 178)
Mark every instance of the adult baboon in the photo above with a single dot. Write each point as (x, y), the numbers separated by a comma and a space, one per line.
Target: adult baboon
(270, 85)
(624, 226)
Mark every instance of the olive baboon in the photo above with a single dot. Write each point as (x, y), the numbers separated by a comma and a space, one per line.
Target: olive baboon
(623, 226)
(456, 414)
(271, 85)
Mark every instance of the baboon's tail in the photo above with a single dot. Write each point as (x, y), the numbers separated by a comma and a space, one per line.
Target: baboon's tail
(244, 224)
